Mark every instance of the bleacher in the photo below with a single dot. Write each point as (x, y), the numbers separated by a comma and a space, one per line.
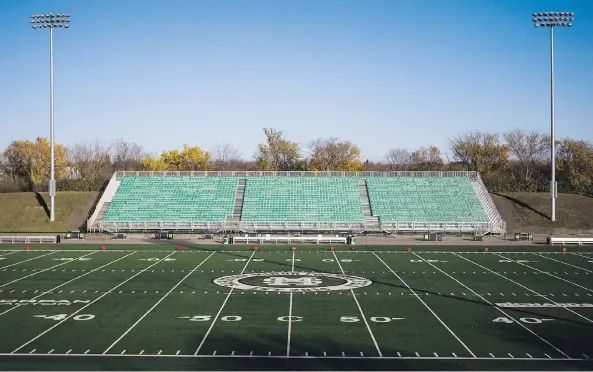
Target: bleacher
(302, 199)
(296, 201)
(172, 199)
(425, 199)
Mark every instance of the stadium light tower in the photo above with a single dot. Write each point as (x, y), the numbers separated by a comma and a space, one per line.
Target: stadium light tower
(51, 21)
(551, 20)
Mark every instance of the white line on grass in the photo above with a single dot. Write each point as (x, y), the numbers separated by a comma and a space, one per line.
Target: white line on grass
(527, 288)
(89, 304)
(222, 307)
(157, 303)
(8, 254)
(44, 270)
(544, 272)
(69, 281)
(580, 255)
(221, 356)
(30, 259)
(360, 309)
(428, 307)
(564, 263)
(495, 307)
(290, 314)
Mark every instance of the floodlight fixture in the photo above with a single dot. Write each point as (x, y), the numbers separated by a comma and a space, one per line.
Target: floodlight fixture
(552, 20)
(51, 21)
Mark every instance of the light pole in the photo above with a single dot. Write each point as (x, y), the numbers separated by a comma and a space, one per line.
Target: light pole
(51, 21)
(551, 20)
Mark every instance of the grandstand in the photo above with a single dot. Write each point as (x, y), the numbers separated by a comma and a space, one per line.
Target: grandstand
(250, 202)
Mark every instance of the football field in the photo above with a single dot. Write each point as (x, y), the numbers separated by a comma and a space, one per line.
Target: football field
(229, 307)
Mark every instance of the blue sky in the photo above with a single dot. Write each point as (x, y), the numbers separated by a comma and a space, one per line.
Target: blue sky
(382, 74)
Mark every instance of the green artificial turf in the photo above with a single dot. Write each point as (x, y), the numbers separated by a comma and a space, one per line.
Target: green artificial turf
(160, 309)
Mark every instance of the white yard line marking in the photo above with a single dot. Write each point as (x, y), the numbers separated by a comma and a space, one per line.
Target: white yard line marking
(564, 263)
(360, 309)
(30, 259)
(289, 313)
(157, 303)
(220, 310)
(69, 281)
(44, 270)
(527, 288)
(580, 255)
(544, 272)
(177, 356)
(428, 307)
(7, 254)
(497, 308)
(89, 304)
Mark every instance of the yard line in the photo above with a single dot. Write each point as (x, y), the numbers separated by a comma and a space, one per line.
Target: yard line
(69, 281)
(157, 303)
(89, 304)
(529, 289)
(497, 308)
(44, 270)
(360, 309)
(30, 259)
(221, 307)
(289, 313)
(541, 271)
(8, 254)
(580, 255)
(428, 307)
(222, 356)
(562, 262)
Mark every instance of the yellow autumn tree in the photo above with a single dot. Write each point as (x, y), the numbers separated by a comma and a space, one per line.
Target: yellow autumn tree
(30, 161)
(188, 159)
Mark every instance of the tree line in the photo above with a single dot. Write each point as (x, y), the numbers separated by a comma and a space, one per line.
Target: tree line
(508, 162)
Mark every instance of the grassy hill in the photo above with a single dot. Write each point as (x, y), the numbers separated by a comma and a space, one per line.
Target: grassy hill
(530, 212)
(29, 211)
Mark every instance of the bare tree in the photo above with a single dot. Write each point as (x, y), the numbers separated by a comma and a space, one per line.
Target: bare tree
(528, 147)
(226, 157)
(90, 160)
(480, 151)
(398, 159)
(126, 155)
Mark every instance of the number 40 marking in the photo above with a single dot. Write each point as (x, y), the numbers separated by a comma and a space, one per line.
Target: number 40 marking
(524, 320)
(64, 316)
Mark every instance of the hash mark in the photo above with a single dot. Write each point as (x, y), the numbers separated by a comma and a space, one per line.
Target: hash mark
(418, 355)
(159, 353)
(32, 351)
(250, 353)
(455, 355)
(141, 352)
(361, 353)
(436, 355)
(343, 353)
(586, 356)
(68, 352)
(123, 352)
(51, 351)
(529, 355)
(214, 353)
(86, 352)
(549, 357)
(233, 352)
(511, 355)
(324, 353)
(492, 355)
(399, 354)
(178, 351)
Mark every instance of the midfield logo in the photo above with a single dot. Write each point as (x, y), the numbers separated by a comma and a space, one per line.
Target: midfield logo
(288, 281)
(280, 280)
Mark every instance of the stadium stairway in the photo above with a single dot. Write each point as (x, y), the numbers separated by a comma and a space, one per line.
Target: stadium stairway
(235, 218)
(371, 222)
